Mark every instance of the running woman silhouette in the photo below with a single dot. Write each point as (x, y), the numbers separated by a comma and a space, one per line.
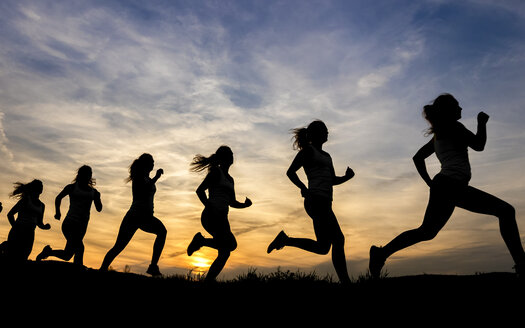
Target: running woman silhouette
(450, 187)
(214, 217)
(30, 212)
(81, 195)
(140, 214)
(320, 173)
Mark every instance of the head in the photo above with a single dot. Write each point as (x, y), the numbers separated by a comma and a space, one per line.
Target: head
(31, 189)
(443, 111)
(223, 157)
(315, 133)
(141, 166)
(85, 176)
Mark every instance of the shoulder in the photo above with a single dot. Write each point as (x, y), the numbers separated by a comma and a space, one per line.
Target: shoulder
(213, 173)
(70, 187)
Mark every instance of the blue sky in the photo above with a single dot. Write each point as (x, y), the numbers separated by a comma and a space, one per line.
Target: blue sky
(100, 82)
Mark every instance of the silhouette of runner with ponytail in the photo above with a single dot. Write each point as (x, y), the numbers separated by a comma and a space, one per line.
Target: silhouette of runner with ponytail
(30, 212)
(321, 177)
(214, 218)
(81, 195)
(140, 214)
(450, 188)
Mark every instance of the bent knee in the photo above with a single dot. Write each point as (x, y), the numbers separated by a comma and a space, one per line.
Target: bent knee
(506, 211)
(426, 234)
(162, 232)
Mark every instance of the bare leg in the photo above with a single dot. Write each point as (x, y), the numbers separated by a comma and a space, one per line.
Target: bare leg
(479, 201)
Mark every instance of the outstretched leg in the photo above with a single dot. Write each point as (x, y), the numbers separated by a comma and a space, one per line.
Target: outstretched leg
(479, 201)
(439, 209)
(126, 232)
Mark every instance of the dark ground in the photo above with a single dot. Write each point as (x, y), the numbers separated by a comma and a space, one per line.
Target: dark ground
(52, 291)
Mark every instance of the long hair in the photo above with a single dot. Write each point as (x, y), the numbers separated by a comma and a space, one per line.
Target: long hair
(200, 162)
(302, 137)
(84, 175)
(438, 113)
(140, 166)
(21, 190)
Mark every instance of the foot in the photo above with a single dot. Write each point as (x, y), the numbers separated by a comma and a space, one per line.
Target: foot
(520, 270)
(44, 254)
(196, 243)
(278, 242)
(377, 261)
(153, 270)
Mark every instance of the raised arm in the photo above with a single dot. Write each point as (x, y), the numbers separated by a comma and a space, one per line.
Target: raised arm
(236, 204)
(349, 174)
(477, 141)
(419, 160)
(157, 175)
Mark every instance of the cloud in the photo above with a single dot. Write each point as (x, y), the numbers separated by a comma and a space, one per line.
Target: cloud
(100, 83)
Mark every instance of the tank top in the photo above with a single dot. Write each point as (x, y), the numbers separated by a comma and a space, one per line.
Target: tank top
(80, 204)
(319, 170)
(29, 213)
(221, 190)
(452, 152)
(143, 193)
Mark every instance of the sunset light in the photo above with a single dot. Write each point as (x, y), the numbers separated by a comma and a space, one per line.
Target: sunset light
(99, 83)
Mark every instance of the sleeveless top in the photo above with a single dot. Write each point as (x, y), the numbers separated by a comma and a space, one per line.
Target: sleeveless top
(80, 201)
(319, 170)
(29, 213)
(221, 190)
(452, 152)
(143, 193)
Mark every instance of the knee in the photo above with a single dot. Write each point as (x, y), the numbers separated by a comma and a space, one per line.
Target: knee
(162, 232)
(506, 211)
(231, 245)
(426, 234)
(324, 247)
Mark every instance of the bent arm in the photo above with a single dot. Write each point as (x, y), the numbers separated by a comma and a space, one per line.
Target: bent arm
(40, 219)
(349, 174)
(201, 190)
(297, 163)
(419, 161)
(477, 141)
(12, 212)
(58, 200)
(97, 201)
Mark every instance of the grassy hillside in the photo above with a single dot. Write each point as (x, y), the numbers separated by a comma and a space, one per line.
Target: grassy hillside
(290, 296)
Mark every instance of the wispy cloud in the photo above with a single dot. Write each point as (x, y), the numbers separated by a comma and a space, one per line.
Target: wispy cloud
(101, 82)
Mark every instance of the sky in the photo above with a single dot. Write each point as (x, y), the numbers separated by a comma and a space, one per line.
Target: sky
(101, 82)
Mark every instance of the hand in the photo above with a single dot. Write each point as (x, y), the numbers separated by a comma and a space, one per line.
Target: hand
(46, 226)
(247, 202)
(349, 173)
(305, 192)
(58, 216)
(482, 118)
(160, 172)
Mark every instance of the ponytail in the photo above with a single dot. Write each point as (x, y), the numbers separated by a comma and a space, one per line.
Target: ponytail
(300, 136)
(303, 136)
(438, 112)
(22, 189)
(139, 166)
(200, 162)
